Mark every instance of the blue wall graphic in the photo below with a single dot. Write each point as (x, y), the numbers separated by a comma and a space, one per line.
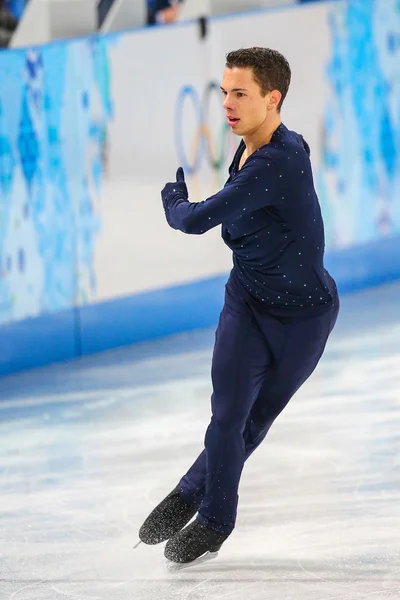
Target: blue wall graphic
(55, 104)
(359, 182)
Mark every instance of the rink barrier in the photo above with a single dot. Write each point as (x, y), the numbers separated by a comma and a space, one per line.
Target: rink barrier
(85, 330)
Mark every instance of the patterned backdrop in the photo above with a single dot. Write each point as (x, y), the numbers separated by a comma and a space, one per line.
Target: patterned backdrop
(56, 104)
(359, 183)
(54, 112)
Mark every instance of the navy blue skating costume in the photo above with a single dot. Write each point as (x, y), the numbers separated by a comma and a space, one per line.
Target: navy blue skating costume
(280, 308)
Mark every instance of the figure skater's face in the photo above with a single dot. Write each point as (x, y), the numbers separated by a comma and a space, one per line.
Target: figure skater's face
(247, 108)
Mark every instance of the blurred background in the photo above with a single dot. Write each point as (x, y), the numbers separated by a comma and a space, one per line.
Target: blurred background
(107, 315)
(99, 104)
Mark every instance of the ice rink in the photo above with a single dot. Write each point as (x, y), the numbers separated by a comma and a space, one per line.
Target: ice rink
(89, 448)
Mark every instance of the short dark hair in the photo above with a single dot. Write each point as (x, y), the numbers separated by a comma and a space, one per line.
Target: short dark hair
(270, 69)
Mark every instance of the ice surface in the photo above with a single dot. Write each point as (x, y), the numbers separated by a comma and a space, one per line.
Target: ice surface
(88, 448)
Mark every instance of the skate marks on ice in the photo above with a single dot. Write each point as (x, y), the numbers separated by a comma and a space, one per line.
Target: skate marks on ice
(227, 578)
(289, 580)
(259, 575)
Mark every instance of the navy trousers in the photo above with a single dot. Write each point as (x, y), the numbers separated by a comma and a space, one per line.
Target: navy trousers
(259, 362)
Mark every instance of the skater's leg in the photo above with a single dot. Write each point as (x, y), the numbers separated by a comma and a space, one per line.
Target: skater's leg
(240, 360)
(192, 485)
(301, 344)
(305, 343)
(291, 354)
(239, 363)
(282, 379)
(263, 413)
(237, 334)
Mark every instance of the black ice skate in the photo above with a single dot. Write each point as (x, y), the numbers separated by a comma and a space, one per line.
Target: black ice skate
(194, 543)
(166, 519)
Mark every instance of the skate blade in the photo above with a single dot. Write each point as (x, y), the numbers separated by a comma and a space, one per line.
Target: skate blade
(172, 566)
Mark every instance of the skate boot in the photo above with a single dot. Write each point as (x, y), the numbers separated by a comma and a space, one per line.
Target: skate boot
(193, 542)
(166, 519)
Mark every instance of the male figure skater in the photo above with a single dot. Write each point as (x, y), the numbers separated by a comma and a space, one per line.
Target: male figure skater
(280, 302)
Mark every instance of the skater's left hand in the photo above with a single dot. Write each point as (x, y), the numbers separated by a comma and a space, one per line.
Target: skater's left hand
(173, 193)
(176, 189)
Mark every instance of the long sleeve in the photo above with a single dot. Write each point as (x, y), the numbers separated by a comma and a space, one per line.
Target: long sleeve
(254, 187)
(271, 220)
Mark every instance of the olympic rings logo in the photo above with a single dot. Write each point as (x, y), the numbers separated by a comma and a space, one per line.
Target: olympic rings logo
(202, 144)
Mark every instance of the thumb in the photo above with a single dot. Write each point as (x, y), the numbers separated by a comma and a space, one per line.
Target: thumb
(180, 175)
